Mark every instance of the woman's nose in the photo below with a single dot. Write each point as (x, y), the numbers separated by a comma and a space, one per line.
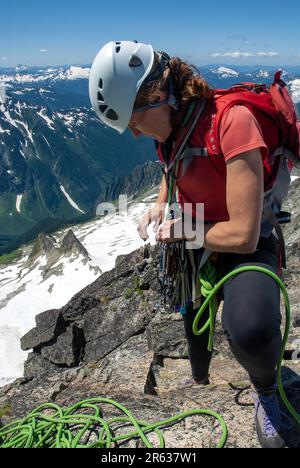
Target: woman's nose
(136, 133)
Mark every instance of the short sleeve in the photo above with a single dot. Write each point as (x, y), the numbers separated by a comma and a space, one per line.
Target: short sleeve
(240, 132)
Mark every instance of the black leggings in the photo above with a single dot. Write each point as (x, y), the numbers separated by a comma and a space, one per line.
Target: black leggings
(251, 317)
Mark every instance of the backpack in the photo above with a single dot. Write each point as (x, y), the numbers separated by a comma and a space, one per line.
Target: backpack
(276, 102)
(274, 105)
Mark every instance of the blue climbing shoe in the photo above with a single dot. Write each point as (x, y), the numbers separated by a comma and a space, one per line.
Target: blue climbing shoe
(269, 420)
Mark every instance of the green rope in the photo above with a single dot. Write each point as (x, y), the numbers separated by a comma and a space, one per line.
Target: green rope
(210, 289)
(71, 427)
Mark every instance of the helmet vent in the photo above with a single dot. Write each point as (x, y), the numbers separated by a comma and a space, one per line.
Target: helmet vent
(112, 115)
(100, 83)
(100, 97)
(135, 61)
(103, 109)
(118, 49)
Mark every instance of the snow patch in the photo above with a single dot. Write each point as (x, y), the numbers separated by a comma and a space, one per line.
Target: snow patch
(294, 87)
(70, 200)
(2, 93)
(225, 72)
(8, 117)
(29, 133)
(263, 74)
(44, 116)
(47, 142)
(42, 91)
(18, 203)
(104, 238)
(75, 73)
(67, 118)
(4, 131)
(22, 153)
(18, 109)
(21, 287)
(50, 74)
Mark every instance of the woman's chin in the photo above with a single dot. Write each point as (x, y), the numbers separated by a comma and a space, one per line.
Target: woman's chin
(160, 139)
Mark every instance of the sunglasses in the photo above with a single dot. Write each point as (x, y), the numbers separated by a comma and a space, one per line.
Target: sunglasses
(170, 101)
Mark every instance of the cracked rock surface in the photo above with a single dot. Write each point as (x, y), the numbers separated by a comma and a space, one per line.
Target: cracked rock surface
(111, 340)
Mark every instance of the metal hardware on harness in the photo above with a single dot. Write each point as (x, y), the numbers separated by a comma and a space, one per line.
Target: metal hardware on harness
(167, 275)
(174, 277)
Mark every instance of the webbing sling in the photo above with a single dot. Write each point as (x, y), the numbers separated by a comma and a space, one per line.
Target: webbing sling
(180, 151)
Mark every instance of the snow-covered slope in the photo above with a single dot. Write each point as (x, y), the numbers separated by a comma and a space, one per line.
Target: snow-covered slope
(49, 74)
(30, 287)
(225, 72)
(294, 86)
(55, 152)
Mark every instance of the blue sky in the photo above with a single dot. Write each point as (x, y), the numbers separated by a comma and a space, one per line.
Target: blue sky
(69, 32)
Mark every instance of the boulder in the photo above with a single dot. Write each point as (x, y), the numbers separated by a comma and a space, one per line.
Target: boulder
(67, 350)
(49, 325)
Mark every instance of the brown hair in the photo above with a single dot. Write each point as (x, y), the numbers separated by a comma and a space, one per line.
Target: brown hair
(188, 86)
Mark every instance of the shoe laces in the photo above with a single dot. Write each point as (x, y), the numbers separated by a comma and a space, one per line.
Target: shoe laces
(274, 417)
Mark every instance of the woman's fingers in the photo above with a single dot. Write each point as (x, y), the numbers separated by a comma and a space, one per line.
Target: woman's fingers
(157, 222)
(143, 225)
(153, 215)
(142, 230)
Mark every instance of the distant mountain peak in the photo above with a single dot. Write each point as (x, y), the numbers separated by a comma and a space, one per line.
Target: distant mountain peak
(44, 245)
(225, 72)
(71, 245)
(24, 74)
(48, 248)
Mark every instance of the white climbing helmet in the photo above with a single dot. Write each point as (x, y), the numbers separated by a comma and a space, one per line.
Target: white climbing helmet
(117, 74)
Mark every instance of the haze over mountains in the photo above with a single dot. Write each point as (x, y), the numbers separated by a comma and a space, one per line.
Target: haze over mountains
(57, 161)
(56, 158)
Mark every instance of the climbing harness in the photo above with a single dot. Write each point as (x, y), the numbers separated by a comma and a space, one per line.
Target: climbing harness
(175, 271)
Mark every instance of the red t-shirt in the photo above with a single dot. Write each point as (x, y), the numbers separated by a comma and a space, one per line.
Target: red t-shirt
(240, 132)
(205, 179)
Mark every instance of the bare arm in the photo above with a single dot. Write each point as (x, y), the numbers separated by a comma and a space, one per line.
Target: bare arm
(244, 196)
(163, 193)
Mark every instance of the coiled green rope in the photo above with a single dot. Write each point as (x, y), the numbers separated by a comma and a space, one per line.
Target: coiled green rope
(70, 427)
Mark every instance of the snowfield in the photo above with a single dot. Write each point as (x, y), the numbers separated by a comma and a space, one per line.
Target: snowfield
(24, 292)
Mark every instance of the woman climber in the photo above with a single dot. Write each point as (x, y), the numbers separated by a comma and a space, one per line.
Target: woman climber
(225, 164)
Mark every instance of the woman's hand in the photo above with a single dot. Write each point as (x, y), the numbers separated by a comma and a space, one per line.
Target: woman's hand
(155, 214)
(170, 231)
(173, 231)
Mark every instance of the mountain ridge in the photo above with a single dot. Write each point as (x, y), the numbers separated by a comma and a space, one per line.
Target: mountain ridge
(57, 160)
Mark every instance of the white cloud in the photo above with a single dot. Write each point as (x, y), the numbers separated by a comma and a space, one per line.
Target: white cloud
(267, 54)
(4, 58)
(43, 51)
(238, 54)
(233, 54)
